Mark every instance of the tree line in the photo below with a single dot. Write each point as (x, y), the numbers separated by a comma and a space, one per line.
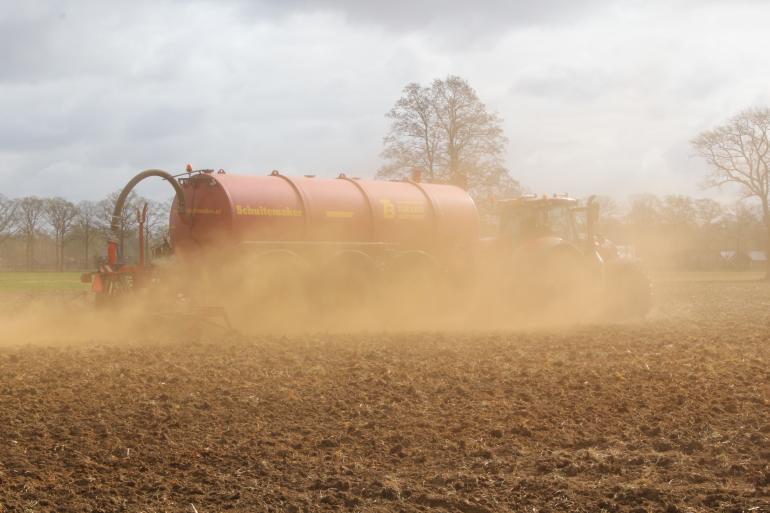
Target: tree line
(681, 232)
(56, 234)
(671, 231)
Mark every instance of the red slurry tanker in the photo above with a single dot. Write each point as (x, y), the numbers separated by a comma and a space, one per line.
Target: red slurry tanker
(304, 214)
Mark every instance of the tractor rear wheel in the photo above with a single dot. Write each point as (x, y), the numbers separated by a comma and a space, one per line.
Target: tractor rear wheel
(559, 285)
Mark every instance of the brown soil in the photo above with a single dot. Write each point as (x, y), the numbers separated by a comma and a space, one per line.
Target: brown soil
(672, 414)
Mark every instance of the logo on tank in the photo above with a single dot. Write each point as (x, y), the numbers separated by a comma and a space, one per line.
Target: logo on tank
(245, 210)
(401, 209)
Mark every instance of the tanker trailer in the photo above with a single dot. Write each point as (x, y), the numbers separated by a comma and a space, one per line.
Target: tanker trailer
(412, 243)
(331, 232)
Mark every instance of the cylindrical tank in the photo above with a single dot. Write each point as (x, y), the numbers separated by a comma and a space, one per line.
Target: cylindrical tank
(228, 209)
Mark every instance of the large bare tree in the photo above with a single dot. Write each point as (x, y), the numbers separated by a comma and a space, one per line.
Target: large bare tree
(31, 210)
(738, 152)
(60, 215)
(446, 131)
(414, 137)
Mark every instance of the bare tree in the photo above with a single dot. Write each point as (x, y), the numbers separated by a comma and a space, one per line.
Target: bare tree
(156, 226)
(87, 223)
(710, 218)
(738, 152)
(678, 211)
(128, 219)
(60, 215)
(31, 210)
(448, 132)
(744, 222)
(708, 212)
(414, 137)
(472, 136)
(8, 218)
(644, 211)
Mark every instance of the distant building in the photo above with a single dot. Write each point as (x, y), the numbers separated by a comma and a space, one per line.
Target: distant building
(758, 260)
(744, 261)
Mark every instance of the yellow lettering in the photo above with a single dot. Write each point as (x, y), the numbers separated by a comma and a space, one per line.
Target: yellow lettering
(267, 211)
(388, 209)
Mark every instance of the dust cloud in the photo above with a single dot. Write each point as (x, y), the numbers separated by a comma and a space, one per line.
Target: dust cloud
(216, 295)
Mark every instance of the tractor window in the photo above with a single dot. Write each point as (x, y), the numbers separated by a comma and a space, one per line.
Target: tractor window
(560, 222)
(523, 223)
(580, 223)
(532, 221)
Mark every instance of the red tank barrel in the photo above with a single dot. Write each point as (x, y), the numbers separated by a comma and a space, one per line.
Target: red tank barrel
(229, 209)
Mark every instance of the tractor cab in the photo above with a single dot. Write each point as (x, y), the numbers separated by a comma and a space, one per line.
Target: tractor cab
(533, 217)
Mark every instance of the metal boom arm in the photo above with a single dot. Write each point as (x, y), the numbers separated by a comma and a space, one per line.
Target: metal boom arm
(117, 214)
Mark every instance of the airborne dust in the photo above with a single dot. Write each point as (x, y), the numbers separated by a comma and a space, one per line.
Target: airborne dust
(216, 296)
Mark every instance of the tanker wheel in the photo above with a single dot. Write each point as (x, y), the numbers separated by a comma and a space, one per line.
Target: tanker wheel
(272, 292)
(345, 283)
(628, 292)
(412, 286)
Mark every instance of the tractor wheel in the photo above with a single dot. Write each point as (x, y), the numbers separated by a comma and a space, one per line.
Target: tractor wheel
(559, 286)
(568, 286)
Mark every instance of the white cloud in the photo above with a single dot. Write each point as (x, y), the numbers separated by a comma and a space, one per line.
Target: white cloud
(596, 99)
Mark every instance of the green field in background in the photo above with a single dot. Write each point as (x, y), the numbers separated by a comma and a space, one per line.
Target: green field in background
(41, 281)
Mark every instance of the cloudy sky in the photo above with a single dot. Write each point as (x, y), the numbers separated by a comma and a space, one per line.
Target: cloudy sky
(597, 95)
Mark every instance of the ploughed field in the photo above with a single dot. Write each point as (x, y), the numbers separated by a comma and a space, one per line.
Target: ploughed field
(671, 414)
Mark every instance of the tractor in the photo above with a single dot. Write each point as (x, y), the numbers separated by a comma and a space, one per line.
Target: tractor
(557, 258)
